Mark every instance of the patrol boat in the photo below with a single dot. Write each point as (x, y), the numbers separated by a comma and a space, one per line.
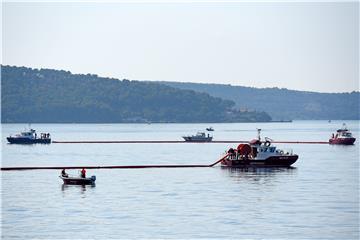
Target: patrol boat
(199, 137)
(29, 137)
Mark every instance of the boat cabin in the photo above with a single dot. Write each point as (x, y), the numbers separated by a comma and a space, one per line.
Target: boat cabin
(266, 150)
(343, 133)
(29, 134)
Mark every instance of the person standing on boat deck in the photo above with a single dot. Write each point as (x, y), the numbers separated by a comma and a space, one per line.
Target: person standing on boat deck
(63, 173)
(83, 173)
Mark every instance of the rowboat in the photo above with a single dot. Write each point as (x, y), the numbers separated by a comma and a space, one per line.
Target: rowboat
(78, 180)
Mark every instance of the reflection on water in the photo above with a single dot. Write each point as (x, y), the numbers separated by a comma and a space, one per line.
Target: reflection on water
(80, 188)
(29, 145)
(254, 173)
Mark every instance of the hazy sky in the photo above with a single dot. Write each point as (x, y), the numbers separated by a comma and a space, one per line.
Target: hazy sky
(304, 46)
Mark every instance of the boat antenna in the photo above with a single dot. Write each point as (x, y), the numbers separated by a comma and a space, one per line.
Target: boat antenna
(259, 131)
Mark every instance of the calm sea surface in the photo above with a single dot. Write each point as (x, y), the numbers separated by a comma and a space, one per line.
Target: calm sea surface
(318, 199)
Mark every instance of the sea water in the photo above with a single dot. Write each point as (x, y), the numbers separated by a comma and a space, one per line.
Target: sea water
(317, 199)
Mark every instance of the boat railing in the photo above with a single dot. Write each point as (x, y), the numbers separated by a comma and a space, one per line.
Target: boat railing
(288, 151)
(285, 151)
(45, 135)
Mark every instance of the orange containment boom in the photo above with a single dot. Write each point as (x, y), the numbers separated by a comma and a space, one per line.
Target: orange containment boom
(114, 167)
(164, 141)
(146, 141)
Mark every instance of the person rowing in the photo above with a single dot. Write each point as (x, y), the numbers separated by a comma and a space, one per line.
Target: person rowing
(64, 174)
(83, 173)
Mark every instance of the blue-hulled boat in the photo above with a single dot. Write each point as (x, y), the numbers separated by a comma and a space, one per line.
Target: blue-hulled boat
(29, 137)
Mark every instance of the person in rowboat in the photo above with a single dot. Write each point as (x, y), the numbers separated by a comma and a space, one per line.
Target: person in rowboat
(63, 173)
(83, 173)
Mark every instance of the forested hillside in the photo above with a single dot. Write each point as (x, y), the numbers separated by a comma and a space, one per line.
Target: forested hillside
(284, 104)
(32, 95)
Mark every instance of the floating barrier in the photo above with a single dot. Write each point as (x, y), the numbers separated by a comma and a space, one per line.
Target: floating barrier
(299, 142)
(160, 141)
(146, 141)
(114, 167)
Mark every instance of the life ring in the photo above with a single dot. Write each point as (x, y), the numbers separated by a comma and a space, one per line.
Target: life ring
(267, 143)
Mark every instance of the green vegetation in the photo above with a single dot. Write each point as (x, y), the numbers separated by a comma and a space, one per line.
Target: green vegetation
(284, 104)
(32, 95)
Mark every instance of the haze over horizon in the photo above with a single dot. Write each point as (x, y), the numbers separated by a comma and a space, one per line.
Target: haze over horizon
(298, 46)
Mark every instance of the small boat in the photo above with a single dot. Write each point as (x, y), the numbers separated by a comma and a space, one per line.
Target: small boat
(258, 154)
(29, 137)
(78, 180)
(342, 137)
(210, 129)
(199, 137)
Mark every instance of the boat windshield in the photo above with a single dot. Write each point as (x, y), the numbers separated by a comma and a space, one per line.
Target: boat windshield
(26, 133)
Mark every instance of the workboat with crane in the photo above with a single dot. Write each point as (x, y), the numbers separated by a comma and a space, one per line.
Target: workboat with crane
(258, 153)
(343, 136)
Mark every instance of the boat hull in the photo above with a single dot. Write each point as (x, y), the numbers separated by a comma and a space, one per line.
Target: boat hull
(342, 141)
(191, 139)
(274, 161)
(28, 140)
(78, 181)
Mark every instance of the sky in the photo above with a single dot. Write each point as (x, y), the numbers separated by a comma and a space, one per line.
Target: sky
(311, 46)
